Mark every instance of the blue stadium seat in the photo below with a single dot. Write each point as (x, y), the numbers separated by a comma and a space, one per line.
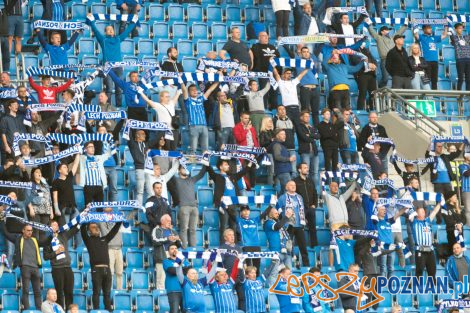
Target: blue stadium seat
(429, 5)
(441, 70)
(267, 191)
(273, 303)
(180, 30)
(79, 196)
(189, 64)
(140, 279)
(444, 84)
(209, 303)
(399, 13)
(214, 13)
(446, 5)
(393, 5)
(163, 303)
(175, 12)
(405, 300)
(78, 283)
(194, 13)
(410, 4)
(30, 60)
(131, 239)
(121, 300)
(211, 218)
(135, 258)
(387, 302)
(323, 236)
(213, 238)
(233, 13)
(160, 30)
(8, 281)
(199, 238)
(10, 300)
(448, 53)
(37, 11)
(86, 46)
(156, 12)
(128, 47)
(435, 14)
(268, 14)
(463, 6)
(426, 300)
(319, 217)
(220, 44)
(199, 31)
(114, 9)
(203, 46)
(123, 194)
(144, 300)
(98, 8)
(80, 299)
(452, 70)
(205, 196)
(251, 13)
(90, 60)
(145, 47)
(79, 11)
(47, 280)
(85, 259)
(144, 31)
(27, 28)
(185, 48)
(417, 14)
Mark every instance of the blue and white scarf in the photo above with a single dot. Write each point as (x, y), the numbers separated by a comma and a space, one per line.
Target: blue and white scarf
(38, 107)
(8, 93)
(64, 138)
(54, 157)
(381, 140)
(203, 63)
(70, 66)
(340, 176)
(391, 203)
(459, 18)
(79, 107)
(33, 224)
(15, 184)
(31, 71)
(30, 137)
(55, 243)
(100, 116)
(429, 21)
(369, 183)
(165, 154)
(58, 25)
(330, 11)
(159, 84)
(427, 196)
(99, 137)
(113, 17)
(116, 204)
(447, 139)
(230, 155)
(247, 149)
(134, 124)
(7, 200)
(421, 161)
(450, 303)
(356, 232)
(389, 20)
(245, 200)
(286, 62)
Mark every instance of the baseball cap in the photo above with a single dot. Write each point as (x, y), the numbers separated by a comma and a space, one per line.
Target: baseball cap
(384, 28)
(397, 37)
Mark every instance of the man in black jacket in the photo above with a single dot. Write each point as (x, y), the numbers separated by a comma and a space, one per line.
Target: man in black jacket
(306, 188)
(398, 65)
(58, 254)
(156, 206)
(371, 130)
(348, 301)
(344, 27)
(27, 257)
(99, 262)
(226, 184)
(307, 137)
(366, 79)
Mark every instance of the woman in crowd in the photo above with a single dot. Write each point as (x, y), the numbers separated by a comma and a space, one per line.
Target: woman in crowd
(420, 81)
(39, 201)
(266, 135)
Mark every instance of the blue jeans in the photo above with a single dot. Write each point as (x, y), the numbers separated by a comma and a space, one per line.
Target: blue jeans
(109, 84)
(378, 7)
(386, 264)
(111, 175)
(417, 84)
(140, 185)
(198, 134)
(224, 136)
(282, 179)
(349, 157)
(313, 162)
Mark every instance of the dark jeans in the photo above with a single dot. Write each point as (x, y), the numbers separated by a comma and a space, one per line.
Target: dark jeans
(293, 113)
(399, 82)
(241, 295)
(43, 219)
(63, 283)
(367, 83)
(93, 194)
(297, 233)
(338, 99)
(282, 23)
(175, 299)
(385, 76)
(425, 260)
(102, 280)
(109, 84)
(270, 98)
(122, 25)
(227, 220)
(253, 262)
(139, 114)
(310, 100)
(331, 159)
(30, 274)
(463, 74)
(432, 71)
(349, 157)
(443, 189)
(312, 229)
(378, 7)
(5, 54)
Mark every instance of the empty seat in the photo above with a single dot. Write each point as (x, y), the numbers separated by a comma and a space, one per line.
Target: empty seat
(123, 193)
(219, 31)
(435, 14)
(78, 280)
(47, 280)
(156, 12)
(199, 31)
(232, 13)
(98, 8)
(90, 60)
(145, 47)
(140, 279)
(463, 6)
(180, 30)
(324, 236)
(30, 60)
(448, 53)
(131, 239)
(144, 31)
(144, 300)
(128, 47)
(160, 30)
(194, 13)
(211, 218)
(429, 5)
(175, 12)
(79, 11)
(10, 301)
(163, 303)
(121, 300)
(205, 196)
(8, 281)
(444, 84)
(185, 48)
(203, 46)
(252, 13)
(417, 14)
(446, 5)
(213, 238)
(79, 298)
(189, 64)
(86, 46)
(214, 13)
(410, 4)
(135, 258)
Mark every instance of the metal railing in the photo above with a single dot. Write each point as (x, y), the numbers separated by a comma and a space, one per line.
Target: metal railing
(387, 100)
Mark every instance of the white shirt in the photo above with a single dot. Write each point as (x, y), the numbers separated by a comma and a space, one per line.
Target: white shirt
(281, 5)
(226, 116)
(288, 89)
(348, 30)
(163, 116)
(313, 28)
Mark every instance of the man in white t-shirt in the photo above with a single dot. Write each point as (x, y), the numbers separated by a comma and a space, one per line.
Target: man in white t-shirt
(288, 89)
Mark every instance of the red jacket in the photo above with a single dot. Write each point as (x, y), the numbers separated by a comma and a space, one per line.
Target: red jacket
(239, 132)
(48, 95)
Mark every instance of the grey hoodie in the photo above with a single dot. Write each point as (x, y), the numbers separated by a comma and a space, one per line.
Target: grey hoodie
(385, 43)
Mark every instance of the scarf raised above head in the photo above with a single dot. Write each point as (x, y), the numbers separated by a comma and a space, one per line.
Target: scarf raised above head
(330, 11)
(108, 138)
(135, 124)
(227, 201)
(370, 183)
(32, 71)
(247, 149)
(356, 232)
(203, 63)
(30, 137)
(448, 139)
(429, 21)
(389, 20)
(54, 157)
(100, 116)
(7, 200)
(8, 93)
(450, 303)
(39, 107)
(340, 176)
(389, 203)
(58, 25)
(113, 17)
(395, 157)
(381, 140)
(459, 18)
(71, 66)
(116, 204)
(15, 184)
(33, 224)
(230, 155)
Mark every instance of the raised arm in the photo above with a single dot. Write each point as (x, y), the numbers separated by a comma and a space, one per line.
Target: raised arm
(210, 90)
(117, 80)
(434, 212)
(179, 274)
(73, 38)
(301, 75)
(184, 90)
(129, 28)
(41, 38)
(75, 164)
(445, 32)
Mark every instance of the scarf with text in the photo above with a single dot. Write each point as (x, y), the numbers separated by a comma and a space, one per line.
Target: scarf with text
(70, 66)
(356, 232)
(369, 183)
(58, 25)
(427, 196)
(38, 107)
(246, 149)
(330, 11)
(165, 154)
(116, 205)
(134, 124)
(100, 116)
(76, 108)
(7, 200)
(15, 184)
(390, 203)
(30, 137)
(219, 64)
(340, 176)
(380, 140)
(421, 161)
(450, 303)
(32, 71)
(54, 157)
(447, 139)
(35, 225)
(86, 137)
(8, 93)
(230, 155)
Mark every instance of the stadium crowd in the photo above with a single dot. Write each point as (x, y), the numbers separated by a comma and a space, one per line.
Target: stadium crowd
(60, 140)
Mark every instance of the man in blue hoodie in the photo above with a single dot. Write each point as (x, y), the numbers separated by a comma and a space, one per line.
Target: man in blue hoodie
(111, 48)
(56, 50)
(457, 266)
(136, 105)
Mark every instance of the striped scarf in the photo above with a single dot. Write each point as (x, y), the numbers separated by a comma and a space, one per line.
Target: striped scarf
(54, 157)
(231, 155)
(116, 204)
(113, 17)
(58, 25)
(451, 303)
(38, 107)
(356, 232)
(203, 63)
(100, 116)
(165, 154)
(76, 108)
(245, 200)
(330, 11)
(35, 225)
(391, 203)
(134, 124)
(447, 139)
(7, 200)
(32, 71)
(389, 20)
(99, 137)
(55, 243)
(427, 196)
(30, 137)
(253, 150)
(340, 176)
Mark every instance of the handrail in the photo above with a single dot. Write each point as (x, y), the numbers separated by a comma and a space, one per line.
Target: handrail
(385, 95)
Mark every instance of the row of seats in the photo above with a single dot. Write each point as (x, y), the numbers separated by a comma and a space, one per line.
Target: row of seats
(443, 5)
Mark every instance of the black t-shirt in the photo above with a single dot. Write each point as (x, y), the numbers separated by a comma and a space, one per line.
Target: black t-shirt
(168, 66)
(261, 55)
(64, 188)
(238, 51)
